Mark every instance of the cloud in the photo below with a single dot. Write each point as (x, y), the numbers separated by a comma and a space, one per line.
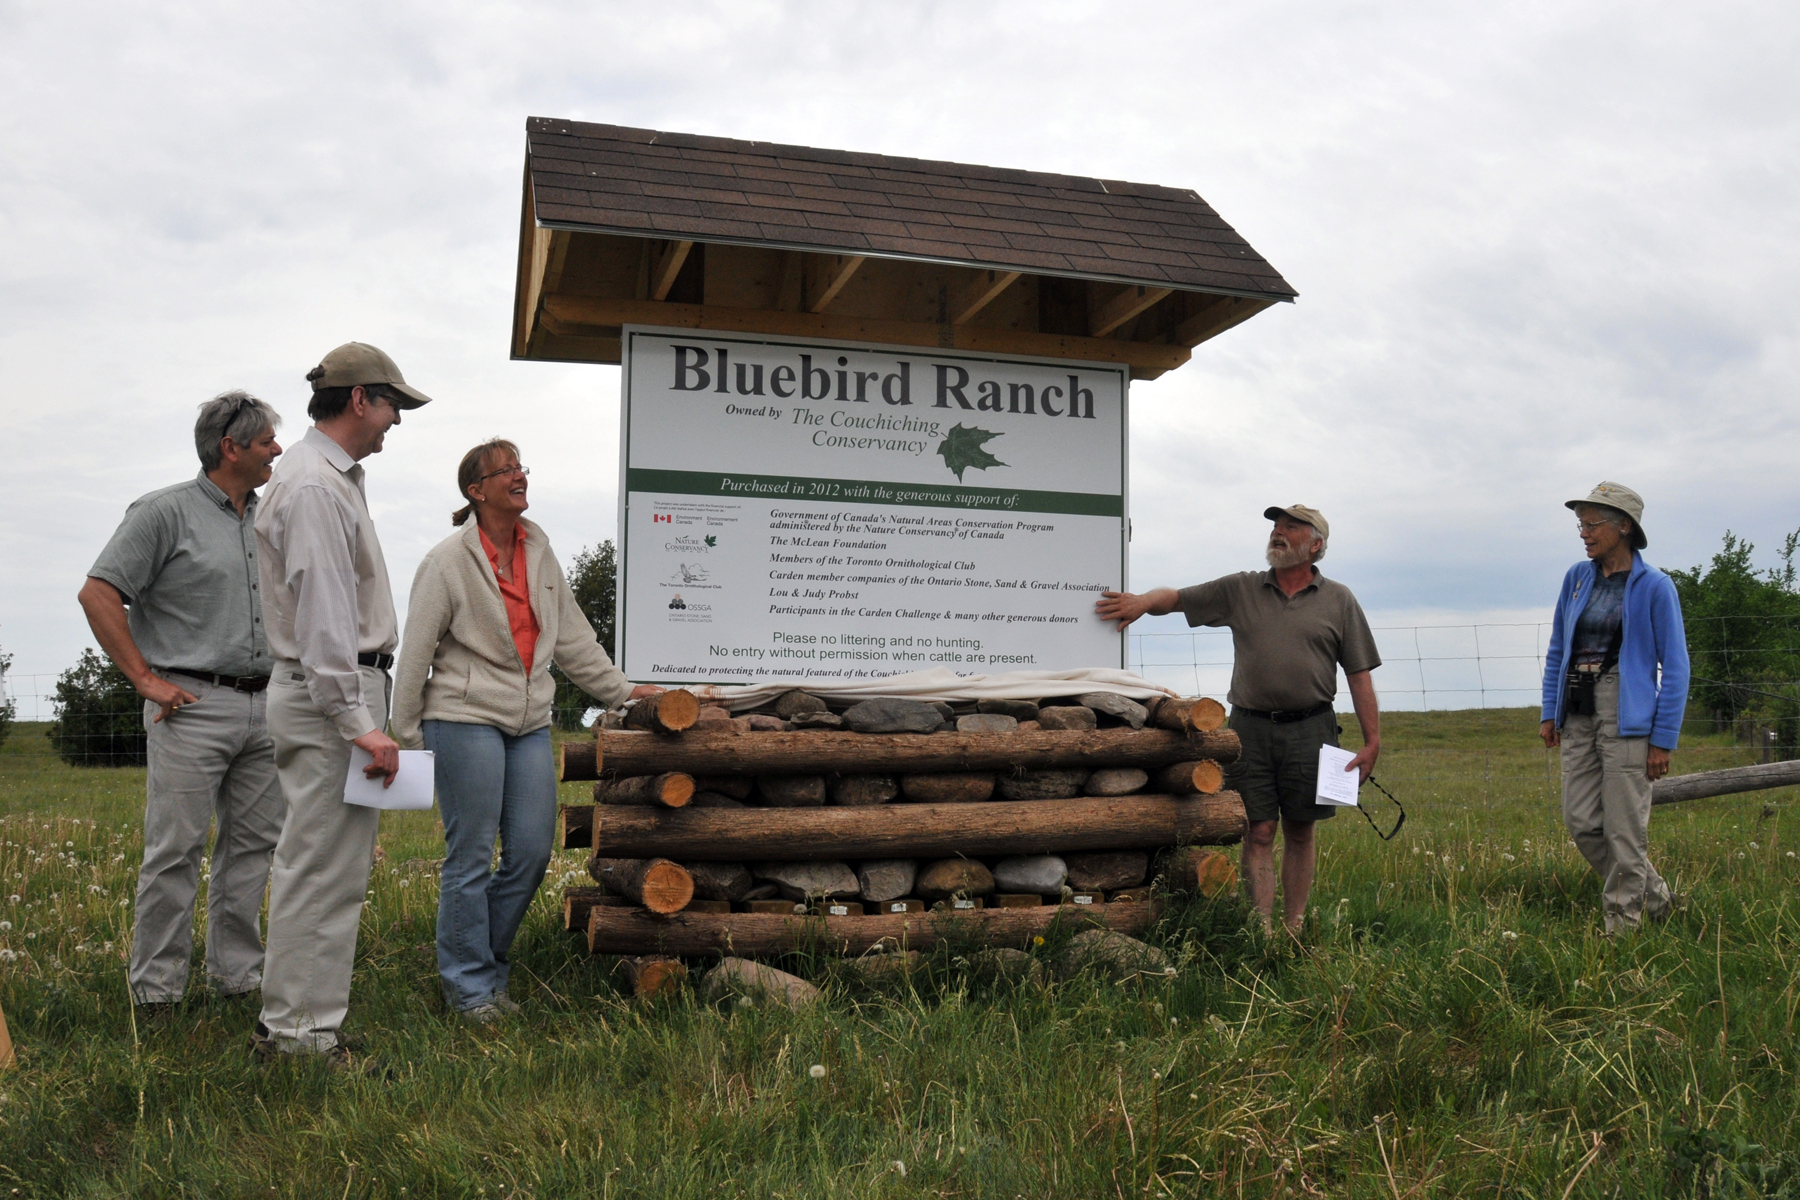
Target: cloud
(1535, 247)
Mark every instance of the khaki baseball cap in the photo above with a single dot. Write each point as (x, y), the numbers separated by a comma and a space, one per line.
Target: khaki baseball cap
(360, 363)
(1617, 495)
(1300, 512)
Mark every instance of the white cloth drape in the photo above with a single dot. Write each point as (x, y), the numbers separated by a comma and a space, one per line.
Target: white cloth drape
(941, 683)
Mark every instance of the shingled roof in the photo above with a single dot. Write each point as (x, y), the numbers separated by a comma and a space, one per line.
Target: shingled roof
(640, 182)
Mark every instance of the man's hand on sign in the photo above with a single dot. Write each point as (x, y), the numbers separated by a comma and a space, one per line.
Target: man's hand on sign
(387, 755)
(1125, 607)
(163, 694)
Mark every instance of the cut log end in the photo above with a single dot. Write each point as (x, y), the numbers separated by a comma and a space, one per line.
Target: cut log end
(578, 760)
(655, 883)
(651, 976)
(1209, 873)
(668, 712)
(671, 790)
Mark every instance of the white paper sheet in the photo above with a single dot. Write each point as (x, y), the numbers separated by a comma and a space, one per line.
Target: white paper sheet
(411, 787)
(1336, 785)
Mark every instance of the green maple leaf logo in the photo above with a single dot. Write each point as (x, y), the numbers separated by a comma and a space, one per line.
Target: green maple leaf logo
(962, 449)
(711, 540)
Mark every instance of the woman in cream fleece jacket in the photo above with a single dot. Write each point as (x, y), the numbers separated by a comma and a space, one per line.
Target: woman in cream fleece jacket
(489, 612)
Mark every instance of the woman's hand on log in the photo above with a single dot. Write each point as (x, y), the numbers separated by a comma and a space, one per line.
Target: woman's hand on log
(1656, 765)
(645, 689)
(1553, 738)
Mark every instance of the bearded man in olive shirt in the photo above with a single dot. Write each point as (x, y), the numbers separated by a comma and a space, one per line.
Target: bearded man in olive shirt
(1291, 629)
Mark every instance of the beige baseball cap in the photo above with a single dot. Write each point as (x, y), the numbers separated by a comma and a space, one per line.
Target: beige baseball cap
(360, 363)
(1300, 512)
(1617, 495)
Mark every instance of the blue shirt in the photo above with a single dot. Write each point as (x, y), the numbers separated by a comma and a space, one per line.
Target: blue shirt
(1653, 658)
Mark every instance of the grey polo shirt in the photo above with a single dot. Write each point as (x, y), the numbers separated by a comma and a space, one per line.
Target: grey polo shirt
(1287, 649)
(185, 562)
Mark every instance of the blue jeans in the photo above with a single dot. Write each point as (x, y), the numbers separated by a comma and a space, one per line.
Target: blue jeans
(489, 785)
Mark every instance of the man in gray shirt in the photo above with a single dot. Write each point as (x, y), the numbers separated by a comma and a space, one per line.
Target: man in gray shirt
(333, 632)
(1291, 629)
(183, 563)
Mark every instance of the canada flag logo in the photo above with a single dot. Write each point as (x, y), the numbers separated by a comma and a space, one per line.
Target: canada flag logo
(655, 517)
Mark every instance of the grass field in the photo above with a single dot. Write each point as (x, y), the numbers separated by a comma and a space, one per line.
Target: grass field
(1453, 1024)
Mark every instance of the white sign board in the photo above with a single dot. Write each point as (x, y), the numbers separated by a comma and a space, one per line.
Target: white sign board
(815, 510)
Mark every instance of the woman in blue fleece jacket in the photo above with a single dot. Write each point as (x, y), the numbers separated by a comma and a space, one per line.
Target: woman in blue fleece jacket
(1615, 688)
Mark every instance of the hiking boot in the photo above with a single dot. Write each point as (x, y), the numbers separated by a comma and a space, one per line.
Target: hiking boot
(481, 1014)
(262, 1045)
(156, 1013)
(505, 1004)
(264, 1050)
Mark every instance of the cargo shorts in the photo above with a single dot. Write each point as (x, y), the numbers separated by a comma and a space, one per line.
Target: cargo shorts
(1277, 769)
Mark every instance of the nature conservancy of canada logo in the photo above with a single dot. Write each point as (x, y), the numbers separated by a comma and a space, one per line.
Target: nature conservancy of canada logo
(688, 544)
(964, 447)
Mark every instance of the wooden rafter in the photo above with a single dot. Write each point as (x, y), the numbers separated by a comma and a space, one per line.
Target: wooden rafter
(826, 275)
(1107, 313)
(1215, 318)
(976, 292)
(666, 266)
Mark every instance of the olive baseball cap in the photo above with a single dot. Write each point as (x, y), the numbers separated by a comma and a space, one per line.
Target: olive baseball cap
(360, 363)
(1617, 495)
(1300, 512)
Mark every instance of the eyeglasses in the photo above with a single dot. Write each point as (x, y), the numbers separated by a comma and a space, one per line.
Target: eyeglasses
(515, 469)
(1590, 526)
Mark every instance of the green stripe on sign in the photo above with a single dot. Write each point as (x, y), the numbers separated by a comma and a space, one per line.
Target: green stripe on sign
(752, 486)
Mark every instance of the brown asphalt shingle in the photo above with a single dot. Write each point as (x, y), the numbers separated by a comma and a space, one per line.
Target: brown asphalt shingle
(681, 185)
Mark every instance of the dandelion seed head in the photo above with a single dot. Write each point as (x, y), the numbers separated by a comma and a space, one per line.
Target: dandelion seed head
(817, 1070)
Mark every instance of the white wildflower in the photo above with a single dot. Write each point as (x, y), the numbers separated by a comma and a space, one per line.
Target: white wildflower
(817, 1070)
(1509, 935)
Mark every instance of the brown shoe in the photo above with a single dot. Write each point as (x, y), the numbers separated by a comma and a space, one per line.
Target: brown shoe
(264, 1050)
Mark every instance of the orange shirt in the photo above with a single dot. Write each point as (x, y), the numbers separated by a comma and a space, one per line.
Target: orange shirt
(516, 595)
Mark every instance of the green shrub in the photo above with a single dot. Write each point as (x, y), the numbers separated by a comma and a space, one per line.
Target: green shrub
(593, 579)
(99, 716)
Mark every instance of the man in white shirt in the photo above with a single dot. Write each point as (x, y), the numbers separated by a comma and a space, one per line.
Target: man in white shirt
(332, 630)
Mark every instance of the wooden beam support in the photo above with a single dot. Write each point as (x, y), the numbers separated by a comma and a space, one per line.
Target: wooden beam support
(1216, 318)
(826, 275)
(999, 827)
(594, 316)
(976, 292)
(666, 266)
(1106, 315)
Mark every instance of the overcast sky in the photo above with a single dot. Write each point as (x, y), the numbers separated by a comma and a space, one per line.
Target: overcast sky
(1536, 246)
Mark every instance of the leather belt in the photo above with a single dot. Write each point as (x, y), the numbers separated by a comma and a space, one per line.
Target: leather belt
(369, 658)
(1590, 668)
(1287, 716)
(237, 683)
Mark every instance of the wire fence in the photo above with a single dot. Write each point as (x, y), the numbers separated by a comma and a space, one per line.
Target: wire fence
(1460, 701)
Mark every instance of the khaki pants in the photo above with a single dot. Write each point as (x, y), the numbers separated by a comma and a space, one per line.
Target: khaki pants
(321, 867)
(1606, 808)
(210, 761)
